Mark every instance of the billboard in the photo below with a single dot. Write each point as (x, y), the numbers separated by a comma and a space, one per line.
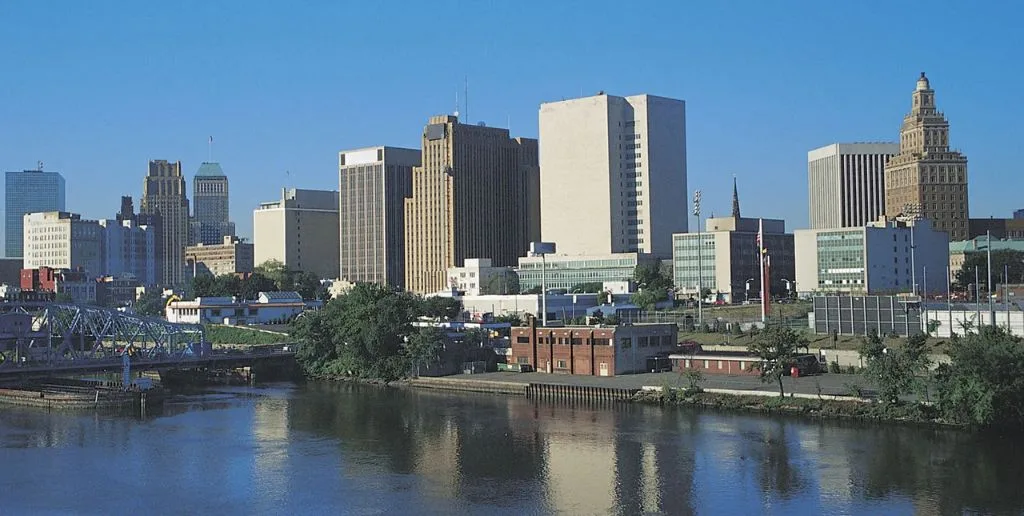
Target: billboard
(539, 248)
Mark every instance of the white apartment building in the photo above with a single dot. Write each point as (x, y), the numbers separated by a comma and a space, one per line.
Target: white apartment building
(476, 275)
(872, 260)
(300, 230)
(613, 174)
(62, 240)
(846, 183)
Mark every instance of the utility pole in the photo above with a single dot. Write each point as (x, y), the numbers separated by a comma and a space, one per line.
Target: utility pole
(700, 262)
(991, 309)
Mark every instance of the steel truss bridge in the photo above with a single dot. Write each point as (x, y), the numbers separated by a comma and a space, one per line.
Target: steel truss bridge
(61, 338)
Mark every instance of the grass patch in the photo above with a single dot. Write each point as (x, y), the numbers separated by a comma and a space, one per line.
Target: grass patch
(242, 336)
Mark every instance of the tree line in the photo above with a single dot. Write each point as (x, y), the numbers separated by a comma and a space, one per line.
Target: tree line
(981, 386)
(270, 276)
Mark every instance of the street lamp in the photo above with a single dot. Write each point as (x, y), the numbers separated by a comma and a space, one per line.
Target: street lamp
(746, 298)
(700, 261)
(543, 249)
(988, 250)
(912, 211)
(790, 287)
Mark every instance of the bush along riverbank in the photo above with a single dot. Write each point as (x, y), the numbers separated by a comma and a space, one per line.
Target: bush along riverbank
(819, 408)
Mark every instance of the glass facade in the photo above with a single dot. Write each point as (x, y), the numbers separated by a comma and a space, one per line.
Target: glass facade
(686, 265)
(841, 260)
(210, 222)
(568, 271)
(30, 191)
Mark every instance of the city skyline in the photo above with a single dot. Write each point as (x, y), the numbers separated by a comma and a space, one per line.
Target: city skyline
(768, 103)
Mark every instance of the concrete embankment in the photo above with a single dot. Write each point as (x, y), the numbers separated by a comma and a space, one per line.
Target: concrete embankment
(77, 401)
(556, 391)
(483, 386)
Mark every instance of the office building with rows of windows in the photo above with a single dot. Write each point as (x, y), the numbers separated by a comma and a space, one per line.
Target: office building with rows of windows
(725, 258)
(566, 272)
(30, 191)
(874, 259)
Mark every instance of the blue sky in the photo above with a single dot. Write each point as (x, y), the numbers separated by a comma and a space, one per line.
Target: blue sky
(96, 89)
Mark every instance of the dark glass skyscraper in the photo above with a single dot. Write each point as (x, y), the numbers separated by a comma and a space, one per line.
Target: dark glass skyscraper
(210, 222)
(29, 191)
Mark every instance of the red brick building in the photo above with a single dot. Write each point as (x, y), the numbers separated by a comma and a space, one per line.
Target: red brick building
(590, 350)
(731, 364)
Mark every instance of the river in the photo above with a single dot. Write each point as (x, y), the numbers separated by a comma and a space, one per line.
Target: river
(362, 450)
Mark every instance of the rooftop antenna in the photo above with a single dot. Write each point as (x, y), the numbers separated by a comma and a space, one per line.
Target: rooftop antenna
(209, 151)
(456, 102)
(39, 165)
(465, 99)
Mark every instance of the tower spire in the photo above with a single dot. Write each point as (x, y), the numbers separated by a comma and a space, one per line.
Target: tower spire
(735, 198)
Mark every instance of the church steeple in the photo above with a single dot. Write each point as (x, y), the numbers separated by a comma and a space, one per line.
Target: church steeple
(735, 199)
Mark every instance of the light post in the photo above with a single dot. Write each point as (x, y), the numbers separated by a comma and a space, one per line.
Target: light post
(912, 211)
(790, 287)
(746, 296)
(991, 309)
(543, 249)
(700, 261)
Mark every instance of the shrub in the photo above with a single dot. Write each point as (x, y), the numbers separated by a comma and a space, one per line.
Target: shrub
(833, 367)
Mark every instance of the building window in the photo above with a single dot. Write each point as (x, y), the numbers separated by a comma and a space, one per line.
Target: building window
(625, 343)
(522, 360)
(523, 340)
(561, 364)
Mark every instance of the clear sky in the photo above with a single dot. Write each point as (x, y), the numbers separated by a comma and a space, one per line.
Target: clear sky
(96, 89)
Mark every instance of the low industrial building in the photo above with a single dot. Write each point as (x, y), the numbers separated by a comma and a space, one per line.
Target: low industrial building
(268, 308)
(117, 290)
(715, 364)
(560, 307)
(885, 257)
(960, 250)
(592, 350)
(75, 286)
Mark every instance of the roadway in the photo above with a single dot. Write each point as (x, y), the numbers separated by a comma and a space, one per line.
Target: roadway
(115, 364)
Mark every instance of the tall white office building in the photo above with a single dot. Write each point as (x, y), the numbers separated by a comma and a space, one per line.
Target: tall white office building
(846, 183)
(613, 174)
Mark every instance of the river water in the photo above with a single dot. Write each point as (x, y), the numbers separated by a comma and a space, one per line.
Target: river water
(361, 450)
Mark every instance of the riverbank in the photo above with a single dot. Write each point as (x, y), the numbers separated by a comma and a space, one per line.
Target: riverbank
(821, 397)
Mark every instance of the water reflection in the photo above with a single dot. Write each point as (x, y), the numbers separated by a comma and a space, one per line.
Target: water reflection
(348, 449)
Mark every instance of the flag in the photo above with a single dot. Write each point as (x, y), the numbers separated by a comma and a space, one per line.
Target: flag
(760, 238)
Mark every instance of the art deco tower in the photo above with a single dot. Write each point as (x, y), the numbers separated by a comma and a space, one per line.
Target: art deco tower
(926, 176)
(164, 194)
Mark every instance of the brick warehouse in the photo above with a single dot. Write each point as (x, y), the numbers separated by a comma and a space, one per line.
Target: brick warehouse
(592, 350)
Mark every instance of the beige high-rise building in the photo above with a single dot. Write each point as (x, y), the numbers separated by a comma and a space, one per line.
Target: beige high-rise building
(300, 231)
(163, 194)
(231, 256)
(613, 174)
(926, 176)
(475, 196)
(846, 183)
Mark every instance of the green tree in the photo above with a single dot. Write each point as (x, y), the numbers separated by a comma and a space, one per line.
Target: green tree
(437, 307)
(63, 297)
(1008, 259)
(983, 384)
(203, 285)
(590, 287)
(511, 318)
(424, 347)
(504, 283)
(897, 370)
(654, 282)
(360, 334)
(250, 287)
(308, 285)
(277, 272)
(150, 303)
(776, 347)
